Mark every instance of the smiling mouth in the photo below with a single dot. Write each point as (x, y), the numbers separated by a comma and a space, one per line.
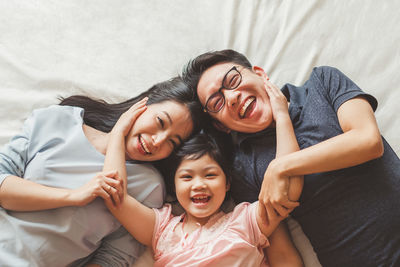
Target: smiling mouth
(144, 146)
(200, 199)
(247, 106)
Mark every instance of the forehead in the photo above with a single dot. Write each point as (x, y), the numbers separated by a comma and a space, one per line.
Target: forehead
(211, 79)
(204, 161)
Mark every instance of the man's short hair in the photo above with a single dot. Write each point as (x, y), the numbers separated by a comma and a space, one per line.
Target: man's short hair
(194, 68)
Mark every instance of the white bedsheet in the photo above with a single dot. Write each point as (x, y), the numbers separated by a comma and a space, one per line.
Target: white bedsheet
(116, 49)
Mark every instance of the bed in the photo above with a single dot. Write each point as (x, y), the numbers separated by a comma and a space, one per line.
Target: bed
(116, 49)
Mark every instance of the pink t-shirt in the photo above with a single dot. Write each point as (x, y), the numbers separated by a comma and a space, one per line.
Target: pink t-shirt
(232, 239)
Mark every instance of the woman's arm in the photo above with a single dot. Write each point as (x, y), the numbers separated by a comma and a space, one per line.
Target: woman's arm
(19, 194)
(282, 252)
(138, 219)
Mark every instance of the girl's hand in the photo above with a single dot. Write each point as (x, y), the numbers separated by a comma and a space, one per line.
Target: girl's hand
(128, 118)
(105, 185)
(279, 104)
(274, 190)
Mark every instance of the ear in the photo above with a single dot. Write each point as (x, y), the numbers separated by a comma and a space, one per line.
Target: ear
(260, 71)
(220, 126)
(228, 186)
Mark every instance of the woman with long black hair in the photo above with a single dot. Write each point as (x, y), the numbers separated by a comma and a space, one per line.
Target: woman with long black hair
(51, 187)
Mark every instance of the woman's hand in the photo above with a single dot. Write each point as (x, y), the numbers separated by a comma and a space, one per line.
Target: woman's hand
(105, 185)
(128, 118)
(279, 104)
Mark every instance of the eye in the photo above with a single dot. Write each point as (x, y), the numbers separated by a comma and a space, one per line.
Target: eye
(160, 122)
(173, 143)
(234, 81)
(211, 175)
(186, 177)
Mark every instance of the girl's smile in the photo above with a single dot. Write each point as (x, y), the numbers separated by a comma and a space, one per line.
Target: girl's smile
(200, 186)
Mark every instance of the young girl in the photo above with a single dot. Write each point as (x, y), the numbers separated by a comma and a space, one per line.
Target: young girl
(204, 235)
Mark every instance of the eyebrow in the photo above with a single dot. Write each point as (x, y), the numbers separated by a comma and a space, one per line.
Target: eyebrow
(204, 169)
(171, 122)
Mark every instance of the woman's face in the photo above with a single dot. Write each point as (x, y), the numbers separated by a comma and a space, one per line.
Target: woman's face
(200, 187)
(158, 130)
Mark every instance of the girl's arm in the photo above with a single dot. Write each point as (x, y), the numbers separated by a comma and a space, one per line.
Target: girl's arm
(269, 214)
(138, 219)
(282, 252)
(19, 194)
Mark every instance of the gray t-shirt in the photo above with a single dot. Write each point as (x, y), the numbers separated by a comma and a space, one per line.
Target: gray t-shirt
(352, 215)
(53, 150)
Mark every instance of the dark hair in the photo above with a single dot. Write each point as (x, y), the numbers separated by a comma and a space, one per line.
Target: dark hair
(194, 68)
(213, 143)
(102, 115)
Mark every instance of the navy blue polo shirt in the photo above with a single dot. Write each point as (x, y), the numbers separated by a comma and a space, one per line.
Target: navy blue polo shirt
(352, 215)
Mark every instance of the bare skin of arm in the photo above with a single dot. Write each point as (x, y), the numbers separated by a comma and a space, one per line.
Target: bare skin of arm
(141, 225)
(281, 251)
(360, 142)
(19, 194)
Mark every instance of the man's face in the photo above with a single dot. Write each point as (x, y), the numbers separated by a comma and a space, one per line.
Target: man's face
(247, 108)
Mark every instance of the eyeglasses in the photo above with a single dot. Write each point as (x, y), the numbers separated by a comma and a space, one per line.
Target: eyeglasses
(231, 81)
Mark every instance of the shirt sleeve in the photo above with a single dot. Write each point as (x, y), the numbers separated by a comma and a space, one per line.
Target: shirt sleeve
(14, 155)
(339, 88)
(244, 220)
(118, 249)
(162, 218)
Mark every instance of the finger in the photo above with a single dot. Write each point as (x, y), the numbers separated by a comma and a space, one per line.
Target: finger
(112, 192)
(115, 196)
(139, 104)
(291, 204)
(136, 112)
(107, 198)
(282, 211)
(272, 214)
(262, 213)
(110, 174)
(273, 90)
(117, 185)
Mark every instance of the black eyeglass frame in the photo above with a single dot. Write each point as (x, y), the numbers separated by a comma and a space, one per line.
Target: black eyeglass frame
(206, 109)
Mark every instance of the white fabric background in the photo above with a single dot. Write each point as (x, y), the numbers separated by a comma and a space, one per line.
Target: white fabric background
(116, 49)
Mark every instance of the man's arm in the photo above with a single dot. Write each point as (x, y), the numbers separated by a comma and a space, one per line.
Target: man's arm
(360, 142)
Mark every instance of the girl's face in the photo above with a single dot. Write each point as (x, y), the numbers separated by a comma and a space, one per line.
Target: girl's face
(158, 130)
(200, 187)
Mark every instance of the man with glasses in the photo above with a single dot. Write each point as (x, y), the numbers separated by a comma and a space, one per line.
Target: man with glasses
(349, 207)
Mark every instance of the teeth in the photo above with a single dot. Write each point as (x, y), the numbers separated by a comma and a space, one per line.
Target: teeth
(144, 146)
(245, 106)
(202, 197)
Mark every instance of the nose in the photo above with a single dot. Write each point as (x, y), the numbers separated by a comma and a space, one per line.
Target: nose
(159, 138)
(231, 97)
(198, 184)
